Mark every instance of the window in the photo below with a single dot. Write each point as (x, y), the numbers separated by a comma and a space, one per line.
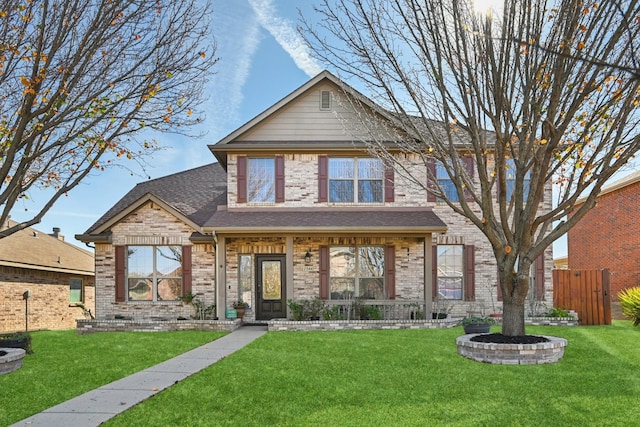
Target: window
(356, 272)
(261, 180)
(154, 273)
(353, 179)
(446, 184)
(75, 290)
(245, 278)
(325, 100)
(450, 264)
(510, 176)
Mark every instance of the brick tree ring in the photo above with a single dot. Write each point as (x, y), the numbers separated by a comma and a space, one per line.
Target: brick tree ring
(549, 351)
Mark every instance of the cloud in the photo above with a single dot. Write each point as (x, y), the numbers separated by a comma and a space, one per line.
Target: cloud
(284, 31)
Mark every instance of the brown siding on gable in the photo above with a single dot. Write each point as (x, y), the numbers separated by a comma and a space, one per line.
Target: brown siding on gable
(389, 184)
(324, 272)
(280, 179)
(390, 271)
(323, 176)
(241, 170)
(120, 273)
(469, 273)
(186, 270)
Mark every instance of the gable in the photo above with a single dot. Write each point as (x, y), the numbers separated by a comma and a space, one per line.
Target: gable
(149, 221)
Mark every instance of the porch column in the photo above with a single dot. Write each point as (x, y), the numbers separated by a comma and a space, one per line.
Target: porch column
(428, 282)
(221, 277)
(289, 270)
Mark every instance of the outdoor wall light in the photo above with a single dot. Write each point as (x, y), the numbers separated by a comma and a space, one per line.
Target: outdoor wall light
(307, 256)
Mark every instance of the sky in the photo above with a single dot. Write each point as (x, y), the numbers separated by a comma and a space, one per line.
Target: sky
(262, 59)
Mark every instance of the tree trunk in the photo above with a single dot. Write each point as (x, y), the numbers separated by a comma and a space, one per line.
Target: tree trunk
(515, 287)
(513, 318)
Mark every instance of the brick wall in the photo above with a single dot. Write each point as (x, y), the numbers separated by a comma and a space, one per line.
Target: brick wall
(49, 306)
(608, 237)
(152, 225)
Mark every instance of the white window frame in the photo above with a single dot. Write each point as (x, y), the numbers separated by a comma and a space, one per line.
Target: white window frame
(355, 181)
(155, 276)
(353, 254)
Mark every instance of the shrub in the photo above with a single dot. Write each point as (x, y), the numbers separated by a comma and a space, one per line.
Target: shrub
(557, 312)
(630, 302)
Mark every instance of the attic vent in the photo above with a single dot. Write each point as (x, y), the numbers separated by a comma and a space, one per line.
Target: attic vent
(325, 100)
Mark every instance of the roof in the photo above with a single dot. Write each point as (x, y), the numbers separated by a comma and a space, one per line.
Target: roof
(193, 194)
(32, 249)
(417, 221)
(616, 185)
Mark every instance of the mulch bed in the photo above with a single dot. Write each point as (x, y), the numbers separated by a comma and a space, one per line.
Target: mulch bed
(504, 339)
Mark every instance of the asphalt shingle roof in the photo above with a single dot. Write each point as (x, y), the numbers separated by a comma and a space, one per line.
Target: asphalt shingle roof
(328, 219)
(196, 193)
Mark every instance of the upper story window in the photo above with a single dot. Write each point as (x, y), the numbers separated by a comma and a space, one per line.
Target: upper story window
(154, 273)
(354, 180)
(261, 180)
(510, 175)
(446, 184)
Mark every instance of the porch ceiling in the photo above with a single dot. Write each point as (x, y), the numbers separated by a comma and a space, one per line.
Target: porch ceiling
(326, 221)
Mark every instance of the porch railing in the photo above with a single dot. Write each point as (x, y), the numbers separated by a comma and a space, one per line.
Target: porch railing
(374, 310)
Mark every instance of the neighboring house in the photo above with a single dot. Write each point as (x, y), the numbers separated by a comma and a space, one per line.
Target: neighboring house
(295, 208)
(608, 235)
(561, 262)
(57, 275)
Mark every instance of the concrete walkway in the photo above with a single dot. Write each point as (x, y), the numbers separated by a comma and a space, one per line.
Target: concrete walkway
(101, 404)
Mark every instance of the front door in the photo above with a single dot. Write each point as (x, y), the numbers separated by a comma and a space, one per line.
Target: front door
(272, 298)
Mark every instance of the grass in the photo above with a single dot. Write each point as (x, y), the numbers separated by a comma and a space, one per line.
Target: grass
(404, 378)
(348, 378)
(65, 365)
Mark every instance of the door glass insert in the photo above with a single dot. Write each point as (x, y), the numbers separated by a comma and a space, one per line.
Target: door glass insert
(271, 280)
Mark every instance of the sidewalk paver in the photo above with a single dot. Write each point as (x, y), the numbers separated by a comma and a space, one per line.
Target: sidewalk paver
(103, 403)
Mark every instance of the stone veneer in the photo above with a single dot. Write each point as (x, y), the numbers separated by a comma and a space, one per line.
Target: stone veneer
(87, 326)
(280, 325)
(12, 360)
(512, 354)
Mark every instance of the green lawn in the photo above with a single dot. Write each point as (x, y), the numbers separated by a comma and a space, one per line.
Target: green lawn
(405, 378)
(354, 378)
(65, 365)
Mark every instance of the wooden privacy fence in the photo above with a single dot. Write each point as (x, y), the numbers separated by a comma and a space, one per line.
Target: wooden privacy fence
(588, 292)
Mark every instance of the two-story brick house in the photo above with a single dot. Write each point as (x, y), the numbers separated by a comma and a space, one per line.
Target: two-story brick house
(294, 208)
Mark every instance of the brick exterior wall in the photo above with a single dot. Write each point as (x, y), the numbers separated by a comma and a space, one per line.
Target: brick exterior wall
(152, 225)
(49, 306)
(608, 237)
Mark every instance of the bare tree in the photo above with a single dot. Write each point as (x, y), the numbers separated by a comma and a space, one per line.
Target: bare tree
(533, 93)
(80, 80)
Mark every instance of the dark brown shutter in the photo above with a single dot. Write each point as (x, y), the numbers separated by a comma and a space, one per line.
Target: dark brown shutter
(323, 176)
(469, 273)
(389, 186)
(431, 179)
(324, 272)
(539, 278)
(279, 179)
(242, 179)
(390, 271)
(120, 273)
(186, 270)
(470, 170)
(434, 272)
(499, 287)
